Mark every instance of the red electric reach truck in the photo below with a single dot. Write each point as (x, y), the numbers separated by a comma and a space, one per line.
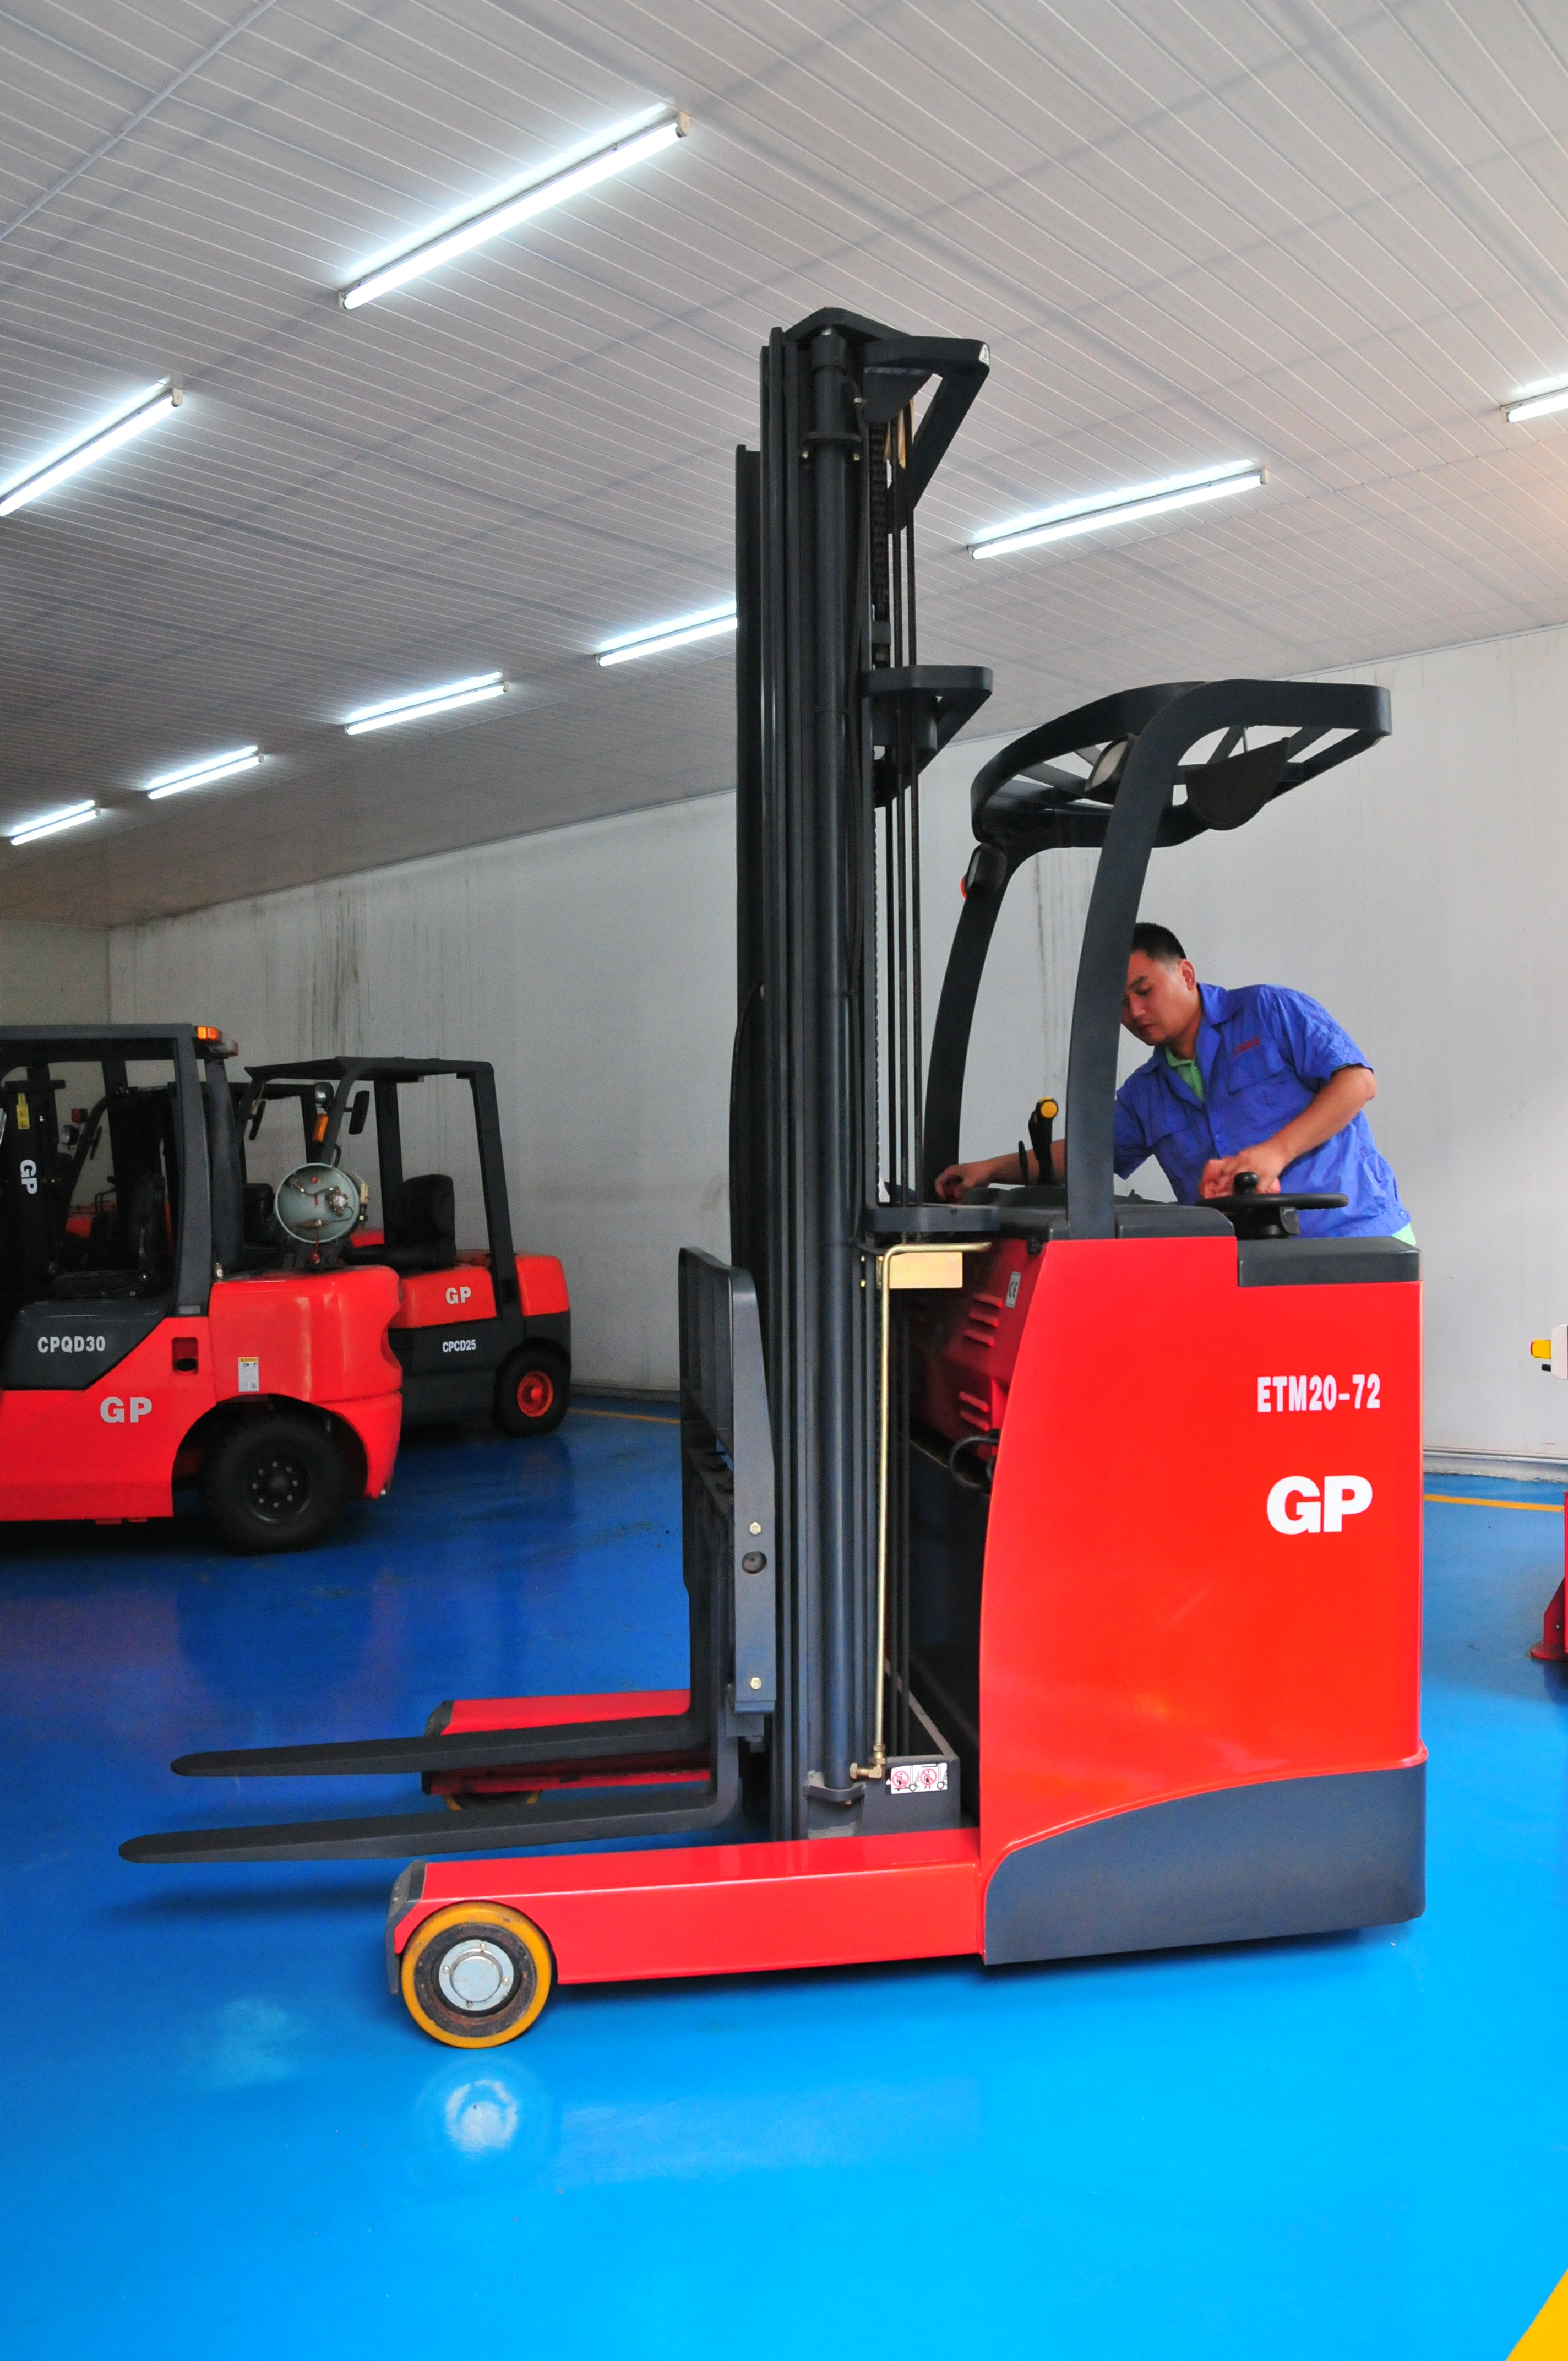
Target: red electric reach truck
(147, 1343)
(977, 1665)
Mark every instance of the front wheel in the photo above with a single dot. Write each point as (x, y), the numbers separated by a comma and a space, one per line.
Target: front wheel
(533, 1390)
(477, 1974)
(274, 1481)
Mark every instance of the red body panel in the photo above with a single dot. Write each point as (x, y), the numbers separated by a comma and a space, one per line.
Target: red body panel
(378, 1421)
(542, 1284)
(109, 1450)
(1164, 1610)
(546, 1712)
(519, 1781)
(967, 1342)
(1146, 1631)
(1550, 1648)
(318, 1336)
(542, 1713)
(714, 1910)
(436, 1298)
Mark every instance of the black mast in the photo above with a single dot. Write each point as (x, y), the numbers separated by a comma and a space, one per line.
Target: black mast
(836, 719)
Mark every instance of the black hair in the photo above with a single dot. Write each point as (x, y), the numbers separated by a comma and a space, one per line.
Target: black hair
(1157, 943)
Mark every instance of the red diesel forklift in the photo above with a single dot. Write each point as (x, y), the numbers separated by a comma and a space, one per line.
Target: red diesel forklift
(147, 1342)
(479, 1329)
(1085, 1689)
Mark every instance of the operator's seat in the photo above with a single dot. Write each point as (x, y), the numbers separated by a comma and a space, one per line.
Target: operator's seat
(144, 1264)
(418, 1221)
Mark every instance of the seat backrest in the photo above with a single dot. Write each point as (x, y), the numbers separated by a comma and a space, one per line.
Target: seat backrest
(257, 1202)
(422, 1211)
(145, 1225)
(146, 1176)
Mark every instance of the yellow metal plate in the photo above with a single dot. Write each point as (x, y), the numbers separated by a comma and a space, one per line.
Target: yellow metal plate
(933, 1267)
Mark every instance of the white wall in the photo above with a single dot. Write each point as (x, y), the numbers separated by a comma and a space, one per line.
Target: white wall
(1419, 892)
(53, 975)
(592, 965)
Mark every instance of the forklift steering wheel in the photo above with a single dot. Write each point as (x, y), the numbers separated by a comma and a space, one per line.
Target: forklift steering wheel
(1253, 1214)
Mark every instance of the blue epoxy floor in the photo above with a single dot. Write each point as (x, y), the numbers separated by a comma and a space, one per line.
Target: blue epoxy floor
(222, 2137)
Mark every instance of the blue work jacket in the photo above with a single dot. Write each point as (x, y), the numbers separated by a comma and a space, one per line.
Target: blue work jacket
(1263, 1054)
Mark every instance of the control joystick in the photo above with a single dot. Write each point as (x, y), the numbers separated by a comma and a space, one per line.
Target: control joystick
(1040, 1124)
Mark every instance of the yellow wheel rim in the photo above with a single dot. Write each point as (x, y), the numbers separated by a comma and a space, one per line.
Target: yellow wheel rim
(478, 1914)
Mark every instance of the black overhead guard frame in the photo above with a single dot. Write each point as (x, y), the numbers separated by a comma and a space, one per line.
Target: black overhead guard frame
(1132, 790)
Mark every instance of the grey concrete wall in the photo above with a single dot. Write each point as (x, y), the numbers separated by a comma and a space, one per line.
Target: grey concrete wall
(53, 975)
(594, 966)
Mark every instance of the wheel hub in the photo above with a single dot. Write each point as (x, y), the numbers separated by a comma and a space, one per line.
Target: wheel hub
(534, 1393)
(278, 1486)
(476, 1976)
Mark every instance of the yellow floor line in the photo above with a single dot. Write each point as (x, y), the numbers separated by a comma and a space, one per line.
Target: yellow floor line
(639, 1417)
(1546, 2338)
(1475, 1501)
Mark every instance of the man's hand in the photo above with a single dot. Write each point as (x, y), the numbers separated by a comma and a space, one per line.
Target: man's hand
(1339, 1102)
(1219, 1173)
(959, 1178)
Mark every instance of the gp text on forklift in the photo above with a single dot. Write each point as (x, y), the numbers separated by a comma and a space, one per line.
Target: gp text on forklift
(1257, 1080)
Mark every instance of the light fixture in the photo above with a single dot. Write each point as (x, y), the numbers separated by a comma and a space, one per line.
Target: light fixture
(146, 410)
(420, 702)
(581, 167)
(710, 623)
(71, 816)
(1537, 401)
(1126, 507)
(203, 773)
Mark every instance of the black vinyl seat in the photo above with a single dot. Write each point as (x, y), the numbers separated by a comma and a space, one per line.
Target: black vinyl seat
(420, 1225)
(256, 1202)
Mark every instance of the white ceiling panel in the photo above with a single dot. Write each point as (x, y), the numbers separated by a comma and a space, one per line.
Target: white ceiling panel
(1329, 235)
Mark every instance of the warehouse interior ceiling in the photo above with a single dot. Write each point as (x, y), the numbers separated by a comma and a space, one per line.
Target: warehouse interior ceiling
(1324, 235)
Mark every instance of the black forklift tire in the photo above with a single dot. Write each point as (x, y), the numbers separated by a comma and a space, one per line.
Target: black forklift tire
(274, 1480)
(534, 1388)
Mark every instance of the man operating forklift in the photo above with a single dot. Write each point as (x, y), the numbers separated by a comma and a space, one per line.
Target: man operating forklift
(1260, 1080)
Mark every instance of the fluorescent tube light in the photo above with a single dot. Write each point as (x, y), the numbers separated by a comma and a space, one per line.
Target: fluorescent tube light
(653, 640)
(71, 815)
(421, 702)
(1102, 509)
(568, 177)
(146, 411)
(1538, 400)
(205, 773)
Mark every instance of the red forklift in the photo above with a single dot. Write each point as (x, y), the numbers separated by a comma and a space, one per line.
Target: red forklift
(147, 1340)
(1040, 1689)
(479, 1329)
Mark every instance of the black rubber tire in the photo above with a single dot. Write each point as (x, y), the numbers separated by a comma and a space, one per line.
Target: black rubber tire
(533, 1390)
(273, 1480)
